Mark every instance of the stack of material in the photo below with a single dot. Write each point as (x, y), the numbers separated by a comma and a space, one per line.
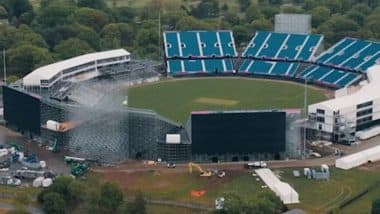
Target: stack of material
(283, 190)
(359, 158)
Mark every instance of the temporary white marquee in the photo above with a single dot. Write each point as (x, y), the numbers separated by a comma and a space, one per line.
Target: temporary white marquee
(359, 158)
(283, 190)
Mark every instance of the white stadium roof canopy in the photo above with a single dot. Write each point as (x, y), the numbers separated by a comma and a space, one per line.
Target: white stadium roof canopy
(368, 92)
(48, 71)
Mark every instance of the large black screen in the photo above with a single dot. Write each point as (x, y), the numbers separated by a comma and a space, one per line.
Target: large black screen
(21, 109)
(238, 132)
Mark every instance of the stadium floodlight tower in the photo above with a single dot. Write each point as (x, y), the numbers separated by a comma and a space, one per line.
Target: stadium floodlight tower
(305, 124)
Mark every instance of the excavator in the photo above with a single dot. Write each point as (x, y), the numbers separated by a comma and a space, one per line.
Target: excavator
(203, 173)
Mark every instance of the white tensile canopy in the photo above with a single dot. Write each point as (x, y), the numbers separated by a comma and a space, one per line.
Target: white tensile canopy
(283, 190)
(359, 158)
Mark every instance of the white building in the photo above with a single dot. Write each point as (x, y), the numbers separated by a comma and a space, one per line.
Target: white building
(350, 110)
(83, 67)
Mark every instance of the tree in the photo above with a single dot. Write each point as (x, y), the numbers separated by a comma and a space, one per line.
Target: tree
(16, 7)
(54, 13)
(292, 9)
(241, 34)
(53, 203)
(265, 203)
(92, 200)
(372, 23)
(244, 4)
(269, 12)
(338, 27)
(56, 34)
(375, 206)
(96, 4)
(3, 12)
(334, 5)
(172, 18)
(319, 15)
(93, 18)
(111, 197)
(310, 4)
(24, 58)
(61, 186)
(11, 79)
(231, 18)
(138, 206)
(76, 193)
(262, 24)
(26, 35)
(252, 13)
(124, 14)
(116, 35)
(6, 37)
(356, 16)
(206, 9)
(72, 47)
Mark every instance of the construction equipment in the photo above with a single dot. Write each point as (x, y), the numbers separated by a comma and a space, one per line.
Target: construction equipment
(69, 159)
(219, 203)
(171, 165)
(256, 164)
(78, 169)
(203, 173)
(53, 147)
(221, 173)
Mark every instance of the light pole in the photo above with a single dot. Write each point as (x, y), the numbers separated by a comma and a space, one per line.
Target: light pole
(305, 114)
(4, 68)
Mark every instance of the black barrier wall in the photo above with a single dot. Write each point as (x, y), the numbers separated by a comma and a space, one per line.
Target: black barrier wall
(21, 110)
(238, 132)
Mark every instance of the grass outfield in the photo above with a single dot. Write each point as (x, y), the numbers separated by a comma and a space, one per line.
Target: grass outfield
(176, 99)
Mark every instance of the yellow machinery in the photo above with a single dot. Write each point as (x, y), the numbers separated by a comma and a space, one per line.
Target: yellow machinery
(199, 168)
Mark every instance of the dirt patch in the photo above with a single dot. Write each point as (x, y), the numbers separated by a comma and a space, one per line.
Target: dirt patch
(216, 101)
(3, 211)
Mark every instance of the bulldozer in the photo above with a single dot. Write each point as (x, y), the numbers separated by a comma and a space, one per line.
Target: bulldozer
(203, 173)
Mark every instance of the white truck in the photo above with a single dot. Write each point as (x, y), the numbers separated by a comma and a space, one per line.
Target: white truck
(256, 164)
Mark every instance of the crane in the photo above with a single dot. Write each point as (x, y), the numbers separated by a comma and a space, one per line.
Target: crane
(199, 168)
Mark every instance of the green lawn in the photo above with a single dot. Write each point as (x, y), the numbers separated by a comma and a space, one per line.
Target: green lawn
(178, 186)
(176, 99)
(162, 209)
(320, 196)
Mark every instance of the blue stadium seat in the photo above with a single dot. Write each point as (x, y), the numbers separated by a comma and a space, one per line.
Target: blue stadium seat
(187, 44)
(348, 53)
(278, 46)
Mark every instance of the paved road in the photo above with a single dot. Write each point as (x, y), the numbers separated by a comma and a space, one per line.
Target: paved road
(132, 167)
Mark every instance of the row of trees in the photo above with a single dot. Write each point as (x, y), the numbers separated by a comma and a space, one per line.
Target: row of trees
(60, 29)
(67, 195)
(264, 202)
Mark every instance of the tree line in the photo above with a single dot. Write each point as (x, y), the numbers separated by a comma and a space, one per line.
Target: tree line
(60, 29)
(67, 195)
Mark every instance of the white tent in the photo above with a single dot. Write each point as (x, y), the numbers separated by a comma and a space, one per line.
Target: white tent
(359, 158)
(283, 190)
